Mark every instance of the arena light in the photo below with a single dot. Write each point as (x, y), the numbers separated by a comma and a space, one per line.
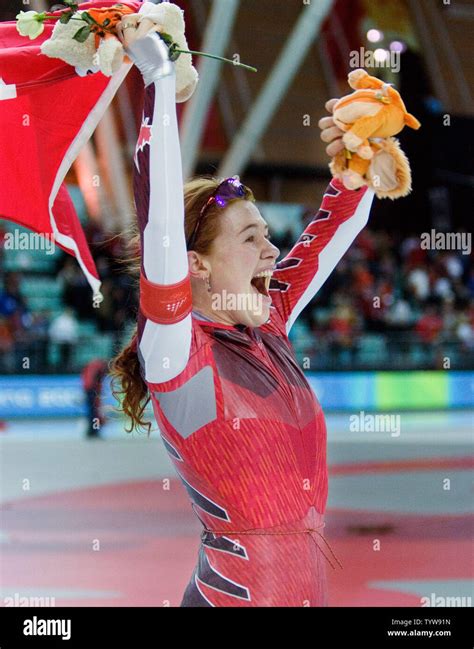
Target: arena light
(398, 46)
(381, 55)
(375, 36)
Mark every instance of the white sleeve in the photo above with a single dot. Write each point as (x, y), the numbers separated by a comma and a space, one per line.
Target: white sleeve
(163, 349)
(299, 276)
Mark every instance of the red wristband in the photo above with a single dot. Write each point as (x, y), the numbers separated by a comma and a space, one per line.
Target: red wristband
(165, 304)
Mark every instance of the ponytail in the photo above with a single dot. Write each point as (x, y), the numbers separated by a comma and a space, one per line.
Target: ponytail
(129, 388)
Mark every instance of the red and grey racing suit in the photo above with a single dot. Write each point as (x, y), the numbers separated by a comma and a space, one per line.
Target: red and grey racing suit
(237, 416)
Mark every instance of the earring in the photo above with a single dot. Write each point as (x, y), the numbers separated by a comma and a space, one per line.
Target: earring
(208, 282)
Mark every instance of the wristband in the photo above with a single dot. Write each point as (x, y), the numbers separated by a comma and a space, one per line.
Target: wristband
(165, 303)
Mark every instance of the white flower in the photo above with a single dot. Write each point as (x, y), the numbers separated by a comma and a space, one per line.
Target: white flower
(28, 24)
(108, 57)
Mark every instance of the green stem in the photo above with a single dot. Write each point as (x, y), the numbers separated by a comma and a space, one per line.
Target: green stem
(106, 29)
(218, 58)
(210, 56)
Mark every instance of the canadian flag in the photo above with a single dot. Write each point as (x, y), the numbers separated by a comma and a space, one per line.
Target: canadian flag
(47, 113)
(144, 137)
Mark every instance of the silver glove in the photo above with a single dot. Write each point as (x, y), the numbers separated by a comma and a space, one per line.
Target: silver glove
(150, 55)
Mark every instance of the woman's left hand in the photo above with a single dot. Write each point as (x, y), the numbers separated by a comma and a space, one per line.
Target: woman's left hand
(330, 133)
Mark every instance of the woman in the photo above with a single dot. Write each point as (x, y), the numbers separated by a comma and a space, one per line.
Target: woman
(239, 420)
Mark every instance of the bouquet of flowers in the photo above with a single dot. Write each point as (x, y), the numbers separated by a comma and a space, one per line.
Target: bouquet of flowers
(87, 39)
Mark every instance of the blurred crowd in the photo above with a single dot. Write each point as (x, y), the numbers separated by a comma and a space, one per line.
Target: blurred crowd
(28, 333)
(386, 285)
(120, 296)
(389, 286)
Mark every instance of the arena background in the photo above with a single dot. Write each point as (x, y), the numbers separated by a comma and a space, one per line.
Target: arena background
(391, 333)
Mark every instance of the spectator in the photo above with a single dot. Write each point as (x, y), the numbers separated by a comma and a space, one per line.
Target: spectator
(385, 283)
(465, 332)
(400, 316)
(442, 288)
(429, 326)
(6, 345)
(418, 283)
(450, 319)
(342, 325)
(453, 265)
(12, 303)
(77, 292)
(63, 332)
(470, 282)
(38, 332)
(92, 377)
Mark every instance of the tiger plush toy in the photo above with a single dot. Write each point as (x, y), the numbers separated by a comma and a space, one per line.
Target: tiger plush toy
(369, 117)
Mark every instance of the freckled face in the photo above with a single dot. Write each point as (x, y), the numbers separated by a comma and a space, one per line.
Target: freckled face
(241, 251)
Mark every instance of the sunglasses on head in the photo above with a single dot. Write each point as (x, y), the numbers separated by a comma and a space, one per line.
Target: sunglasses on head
(229, 189)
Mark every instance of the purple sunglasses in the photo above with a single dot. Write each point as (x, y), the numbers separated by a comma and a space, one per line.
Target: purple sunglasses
(228, 190)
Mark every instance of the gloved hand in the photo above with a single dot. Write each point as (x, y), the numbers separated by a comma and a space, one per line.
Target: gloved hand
(145, 48)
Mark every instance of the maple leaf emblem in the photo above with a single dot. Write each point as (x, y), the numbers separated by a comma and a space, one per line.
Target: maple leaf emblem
(144, 137)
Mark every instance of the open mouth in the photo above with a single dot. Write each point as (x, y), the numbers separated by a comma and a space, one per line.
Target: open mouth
(261, 282)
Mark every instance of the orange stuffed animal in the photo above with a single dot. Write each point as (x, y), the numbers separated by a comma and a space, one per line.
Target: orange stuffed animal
(369, 117)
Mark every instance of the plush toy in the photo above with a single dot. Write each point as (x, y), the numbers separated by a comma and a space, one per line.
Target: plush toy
(171, 19)
(369, 117)
(105, 53)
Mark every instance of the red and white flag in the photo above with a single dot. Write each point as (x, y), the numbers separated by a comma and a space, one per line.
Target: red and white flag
(47, 113)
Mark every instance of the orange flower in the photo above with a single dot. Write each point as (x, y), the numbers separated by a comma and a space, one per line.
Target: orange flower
(114, 14)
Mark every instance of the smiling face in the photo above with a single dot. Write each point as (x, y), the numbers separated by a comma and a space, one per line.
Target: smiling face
(240, 252)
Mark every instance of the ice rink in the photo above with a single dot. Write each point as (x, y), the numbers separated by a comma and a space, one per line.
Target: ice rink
(106, 522)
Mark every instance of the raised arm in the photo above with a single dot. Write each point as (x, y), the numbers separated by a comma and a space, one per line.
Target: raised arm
(164, 321)
(300, 275)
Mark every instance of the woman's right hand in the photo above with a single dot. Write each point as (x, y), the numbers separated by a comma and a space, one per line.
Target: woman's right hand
(147, 50)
